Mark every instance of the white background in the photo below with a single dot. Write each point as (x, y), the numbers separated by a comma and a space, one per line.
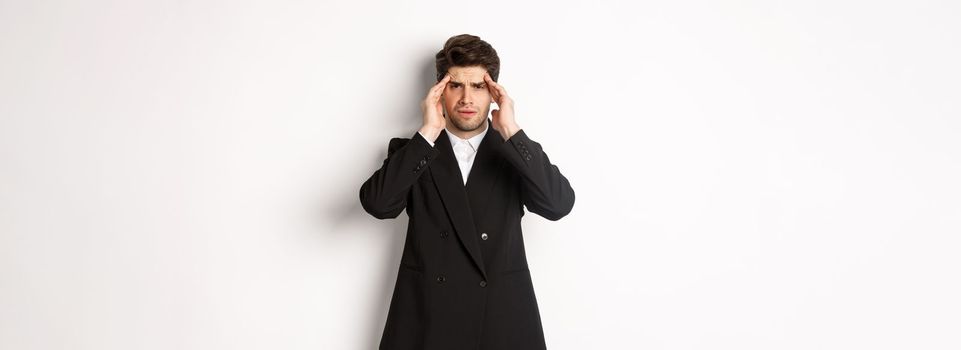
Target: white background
(749, 174)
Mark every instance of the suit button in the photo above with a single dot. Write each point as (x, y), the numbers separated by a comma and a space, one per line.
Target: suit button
(423, 162)
(484, 236)
(443, 234)
(483, 284)
(441, 279)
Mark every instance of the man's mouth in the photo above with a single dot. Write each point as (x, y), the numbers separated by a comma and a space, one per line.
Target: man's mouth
(466, 112)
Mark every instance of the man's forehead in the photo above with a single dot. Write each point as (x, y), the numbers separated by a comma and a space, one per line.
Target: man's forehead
(467, 74)
(467, 81)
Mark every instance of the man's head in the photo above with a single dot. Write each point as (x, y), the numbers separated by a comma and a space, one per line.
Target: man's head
(467, 58)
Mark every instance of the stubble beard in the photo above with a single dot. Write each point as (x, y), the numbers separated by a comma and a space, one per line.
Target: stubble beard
(469, 125)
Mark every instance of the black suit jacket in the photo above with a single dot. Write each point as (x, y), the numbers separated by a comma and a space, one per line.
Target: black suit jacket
(463, 280)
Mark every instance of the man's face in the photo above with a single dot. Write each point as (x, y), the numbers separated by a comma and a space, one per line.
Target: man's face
(466, 92)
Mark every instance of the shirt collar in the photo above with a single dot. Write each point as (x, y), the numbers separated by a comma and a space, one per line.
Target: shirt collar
(473, 142)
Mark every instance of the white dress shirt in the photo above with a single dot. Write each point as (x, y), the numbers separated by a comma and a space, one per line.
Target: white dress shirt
(464, 150)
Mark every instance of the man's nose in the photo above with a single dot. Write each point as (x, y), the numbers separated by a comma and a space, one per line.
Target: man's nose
(466, 98)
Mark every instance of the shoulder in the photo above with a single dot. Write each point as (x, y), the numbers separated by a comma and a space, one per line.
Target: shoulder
(396, 143)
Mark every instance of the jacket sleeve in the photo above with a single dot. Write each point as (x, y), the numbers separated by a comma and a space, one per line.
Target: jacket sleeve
(544, 190)
(384, 194)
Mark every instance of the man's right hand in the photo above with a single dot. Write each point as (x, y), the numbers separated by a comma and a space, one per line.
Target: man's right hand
(434, 121)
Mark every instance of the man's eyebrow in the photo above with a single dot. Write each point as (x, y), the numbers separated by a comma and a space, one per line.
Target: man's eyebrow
(475, 84)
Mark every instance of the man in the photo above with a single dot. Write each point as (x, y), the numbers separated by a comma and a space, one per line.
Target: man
(464, 180)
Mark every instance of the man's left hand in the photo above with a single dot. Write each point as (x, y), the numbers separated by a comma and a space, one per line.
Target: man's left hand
(503, 117)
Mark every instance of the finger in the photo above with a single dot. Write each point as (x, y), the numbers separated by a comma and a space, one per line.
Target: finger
(440, 84)
(436, 91)
(496, 89)
(500, 89)
(490, 87)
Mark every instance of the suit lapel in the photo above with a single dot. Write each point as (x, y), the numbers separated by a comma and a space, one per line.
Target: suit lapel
(484, 172)
(450, 185)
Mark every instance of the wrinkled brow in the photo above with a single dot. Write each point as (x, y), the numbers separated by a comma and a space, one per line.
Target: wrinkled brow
(474, 84)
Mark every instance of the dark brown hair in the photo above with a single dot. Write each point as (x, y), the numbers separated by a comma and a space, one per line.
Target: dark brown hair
(467, 50)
